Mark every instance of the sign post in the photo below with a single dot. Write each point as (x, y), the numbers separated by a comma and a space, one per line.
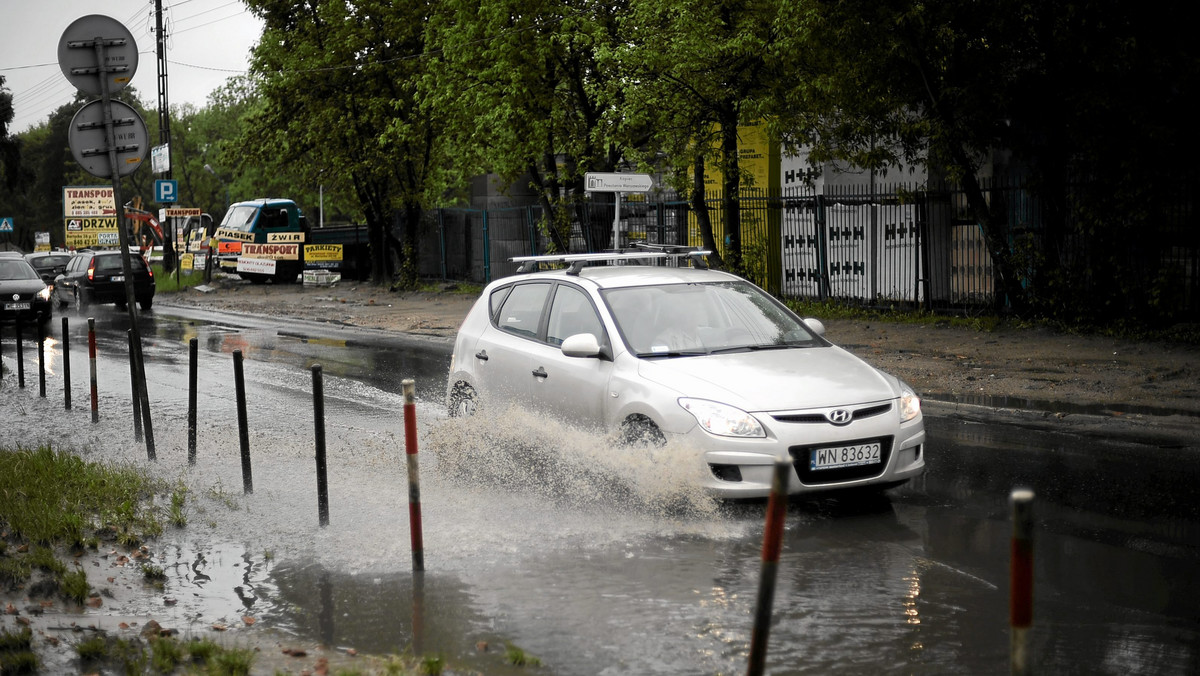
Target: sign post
(617, 183)
(98, 55)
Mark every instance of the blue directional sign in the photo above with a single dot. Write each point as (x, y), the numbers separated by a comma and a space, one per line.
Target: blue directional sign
(6, 224)
(166, 191)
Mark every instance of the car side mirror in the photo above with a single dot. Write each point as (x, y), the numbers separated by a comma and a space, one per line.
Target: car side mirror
(815, 326)
(581, 345)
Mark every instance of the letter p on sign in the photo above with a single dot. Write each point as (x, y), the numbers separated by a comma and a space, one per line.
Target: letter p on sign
(166, 191)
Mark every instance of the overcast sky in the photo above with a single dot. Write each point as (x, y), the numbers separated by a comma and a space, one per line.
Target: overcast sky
(207, 42)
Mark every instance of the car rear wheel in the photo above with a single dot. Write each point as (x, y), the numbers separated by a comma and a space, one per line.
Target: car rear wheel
(146, 303)
(79, 302)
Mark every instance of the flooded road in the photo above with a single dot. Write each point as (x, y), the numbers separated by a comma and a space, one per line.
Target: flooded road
(601, 560)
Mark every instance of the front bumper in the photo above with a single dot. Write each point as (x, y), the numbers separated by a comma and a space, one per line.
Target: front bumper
(743, 468)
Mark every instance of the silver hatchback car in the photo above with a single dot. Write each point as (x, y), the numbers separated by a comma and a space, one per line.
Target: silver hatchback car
(692, 356)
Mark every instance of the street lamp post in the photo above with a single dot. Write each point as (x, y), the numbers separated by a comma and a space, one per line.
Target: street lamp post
(209, 169)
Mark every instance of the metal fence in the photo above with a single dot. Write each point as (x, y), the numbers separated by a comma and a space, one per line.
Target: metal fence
(875, 246)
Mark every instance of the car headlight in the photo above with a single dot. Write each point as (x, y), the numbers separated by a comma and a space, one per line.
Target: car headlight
(44, 294)
(910, 403)
(721, 419)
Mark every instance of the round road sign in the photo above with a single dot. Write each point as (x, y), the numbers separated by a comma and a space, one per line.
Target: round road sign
(90, 147)
(78, 59)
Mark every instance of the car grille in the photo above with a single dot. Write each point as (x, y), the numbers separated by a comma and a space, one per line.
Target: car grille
(809, 477)
(855, 414)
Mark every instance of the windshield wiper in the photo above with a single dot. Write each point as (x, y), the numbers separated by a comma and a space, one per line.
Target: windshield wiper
(751, 348)
(673, 353)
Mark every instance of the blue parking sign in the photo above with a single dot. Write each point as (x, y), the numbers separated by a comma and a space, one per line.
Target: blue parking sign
(166, 191)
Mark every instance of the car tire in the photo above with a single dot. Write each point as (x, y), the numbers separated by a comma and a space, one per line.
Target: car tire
(462, 403)
(57, 299)
(79, 301)
(146, 303)
(639, 430)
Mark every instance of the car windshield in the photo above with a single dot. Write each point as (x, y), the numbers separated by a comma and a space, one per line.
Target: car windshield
(688, 319)
(16, 269)
(240, 218)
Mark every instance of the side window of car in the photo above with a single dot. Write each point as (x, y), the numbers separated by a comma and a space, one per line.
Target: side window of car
(496, 300)
(571, 313)
(522, 310)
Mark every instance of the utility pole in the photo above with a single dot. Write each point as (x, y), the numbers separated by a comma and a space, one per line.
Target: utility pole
(164, 111)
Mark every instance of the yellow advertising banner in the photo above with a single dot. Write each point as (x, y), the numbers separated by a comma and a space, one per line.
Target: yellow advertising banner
(185, 261)
(85, 200)
(275, 252)
(323, 252)
(236, 235)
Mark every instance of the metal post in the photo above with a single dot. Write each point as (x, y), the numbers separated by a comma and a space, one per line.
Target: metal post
(319, 436)
(239, 382)
(1021, 580)
(144, 399)
(41, 337)
(192, 377)
(66, 351)
(92, 367)
(772, 545)
(414, 477)
(20, 354)
(133, 384)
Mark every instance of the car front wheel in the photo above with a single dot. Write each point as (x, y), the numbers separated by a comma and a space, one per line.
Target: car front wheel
(462, 402)
(639, 430)
(79, 302)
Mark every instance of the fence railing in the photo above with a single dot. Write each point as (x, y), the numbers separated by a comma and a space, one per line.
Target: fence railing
(854, 244)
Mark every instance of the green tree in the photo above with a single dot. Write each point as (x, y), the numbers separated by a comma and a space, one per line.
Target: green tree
(526, 89)
(335, 80)
(702, 69)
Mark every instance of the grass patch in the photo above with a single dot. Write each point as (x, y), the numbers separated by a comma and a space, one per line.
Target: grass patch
(519, 658)
(51, 500)
(166, 283)
(16, 652)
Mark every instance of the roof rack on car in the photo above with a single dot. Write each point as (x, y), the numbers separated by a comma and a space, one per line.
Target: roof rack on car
(577, 262)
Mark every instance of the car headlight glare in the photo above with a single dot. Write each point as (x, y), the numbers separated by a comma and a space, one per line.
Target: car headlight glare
(721, 419)
(44, 294)
(910, 403)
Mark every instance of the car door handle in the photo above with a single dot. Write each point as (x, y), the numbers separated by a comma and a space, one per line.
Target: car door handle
(481, 355)
(540, 372)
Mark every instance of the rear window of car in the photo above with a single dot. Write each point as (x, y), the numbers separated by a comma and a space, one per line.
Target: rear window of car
(50, 261)
(107, 263)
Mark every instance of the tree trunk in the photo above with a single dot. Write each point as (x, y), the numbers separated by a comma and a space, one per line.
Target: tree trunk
(700, 209)
(731, 185)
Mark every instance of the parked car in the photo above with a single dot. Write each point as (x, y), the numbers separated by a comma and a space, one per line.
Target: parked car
(49, 264)
(23, 294)
(691, 356)
(98, 277)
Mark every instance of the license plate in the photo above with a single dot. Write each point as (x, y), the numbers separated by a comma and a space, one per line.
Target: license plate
(844, 456)
(17, 306)
(117, 278)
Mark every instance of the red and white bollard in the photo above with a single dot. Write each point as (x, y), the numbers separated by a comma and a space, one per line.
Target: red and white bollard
(414, 475)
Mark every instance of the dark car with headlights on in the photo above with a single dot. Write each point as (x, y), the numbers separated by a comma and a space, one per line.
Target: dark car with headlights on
(99, 277)
(23, 294)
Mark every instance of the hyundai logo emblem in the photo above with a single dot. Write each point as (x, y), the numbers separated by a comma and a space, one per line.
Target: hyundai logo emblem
(839, 416)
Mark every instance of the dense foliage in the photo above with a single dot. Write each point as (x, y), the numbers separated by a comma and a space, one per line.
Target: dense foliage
(393, 108)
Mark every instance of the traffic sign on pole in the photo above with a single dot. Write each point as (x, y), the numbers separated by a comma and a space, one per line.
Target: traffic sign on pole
(77, 53)
(6, 224)
(166, 191)
(89, 145)
(609, 182)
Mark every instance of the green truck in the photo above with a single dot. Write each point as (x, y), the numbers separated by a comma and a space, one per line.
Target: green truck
(270, 239)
